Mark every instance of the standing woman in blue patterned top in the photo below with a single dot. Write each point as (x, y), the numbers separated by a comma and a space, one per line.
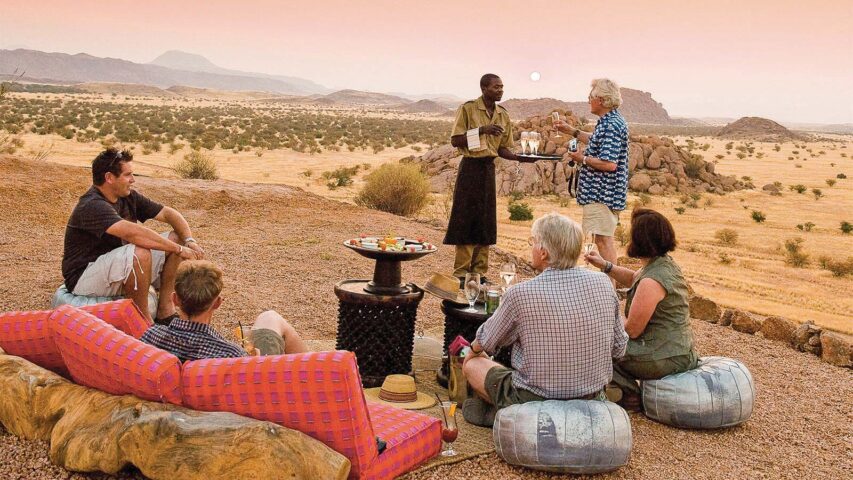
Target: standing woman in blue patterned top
(603, 180)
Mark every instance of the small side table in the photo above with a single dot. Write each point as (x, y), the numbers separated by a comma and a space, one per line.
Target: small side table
(459, 322)
(379, 329)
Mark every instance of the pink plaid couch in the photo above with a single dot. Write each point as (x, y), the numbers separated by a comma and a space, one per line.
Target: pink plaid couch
(317, 393)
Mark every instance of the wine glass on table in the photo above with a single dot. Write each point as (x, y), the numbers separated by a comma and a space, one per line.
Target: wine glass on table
(507, 274)
(525, 140)
(449, 430)
(535, 142)
(556, 117)
(472, 290)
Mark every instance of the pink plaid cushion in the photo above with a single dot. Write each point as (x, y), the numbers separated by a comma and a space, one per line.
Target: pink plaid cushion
(28, 335)
(412, 437)
(317, 393)
(100, 356)
(122, 314)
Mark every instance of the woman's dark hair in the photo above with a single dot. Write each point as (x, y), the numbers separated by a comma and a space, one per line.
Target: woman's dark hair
(109, 160)
(651, 234)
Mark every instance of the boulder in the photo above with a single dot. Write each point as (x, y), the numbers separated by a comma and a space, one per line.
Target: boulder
(836, 349)
(726, 319)
(635, 156)
(802, 338)
(778, 328)
(550, 147)
(656, 190)
(92, 431)
(745, 322)
(640, 182)
(770, 188)
(704, 309)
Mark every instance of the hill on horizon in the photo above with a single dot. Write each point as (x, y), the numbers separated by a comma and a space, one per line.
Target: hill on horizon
(637, 107)
(758, 129)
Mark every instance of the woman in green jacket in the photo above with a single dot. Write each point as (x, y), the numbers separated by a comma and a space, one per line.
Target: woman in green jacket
(657, 314)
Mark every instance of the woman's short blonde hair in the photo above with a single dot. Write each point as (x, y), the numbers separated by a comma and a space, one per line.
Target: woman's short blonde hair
(561, 237)
(608, 91)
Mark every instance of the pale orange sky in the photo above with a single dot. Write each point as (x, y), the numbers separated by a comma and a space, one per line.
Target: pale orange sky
(786, 60)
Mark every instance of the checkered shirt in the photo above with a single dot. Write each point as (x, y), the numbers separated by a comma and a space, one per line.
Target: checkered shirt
(191, 341)
(564, 328)
(609, 142)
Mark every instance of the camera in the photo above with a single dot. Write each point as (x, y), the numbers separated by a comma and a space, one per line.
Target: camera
(573, 145)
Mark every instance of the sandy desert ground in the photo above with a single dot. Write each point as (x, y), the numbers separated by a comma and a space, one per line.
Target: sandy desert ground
(262, 235)
(751, 275)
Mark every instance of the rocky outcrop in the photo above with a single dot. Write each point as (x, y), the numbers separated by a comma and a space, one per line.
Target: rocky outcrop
(758, 129)
(92, 431)
(637, 107)
(836, 349)
(806, 338)
(704, 309)
(656, 165)
(778, 328)
(745, 322)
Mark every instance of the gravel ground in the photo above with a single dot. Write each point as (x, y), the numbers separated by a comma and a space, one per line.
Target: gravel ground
(279, 251)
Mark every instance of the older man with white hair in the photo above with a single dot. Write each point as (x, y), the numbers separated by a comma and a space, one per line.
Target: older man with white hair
(563, 325)
(603, 180)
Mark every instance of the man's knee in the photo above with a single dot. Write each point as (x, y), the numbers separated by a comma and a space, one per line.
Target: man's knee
(143, 255)
(272, 320)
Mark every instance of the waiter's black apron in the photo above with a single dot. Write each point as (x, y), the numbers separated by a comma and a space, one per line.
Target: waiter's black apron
(473, 218)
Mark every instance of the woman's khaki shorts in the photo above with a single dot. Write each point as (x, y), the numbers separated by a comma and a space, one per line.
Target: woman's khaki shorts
(599, 219)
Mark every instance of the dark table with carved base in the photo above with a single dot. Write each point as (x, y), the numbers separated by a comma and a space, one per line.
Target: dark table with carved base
(459, 322)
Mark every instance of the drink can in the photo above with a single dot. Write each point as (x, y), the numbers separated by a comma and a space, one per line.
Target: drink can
(493, 299)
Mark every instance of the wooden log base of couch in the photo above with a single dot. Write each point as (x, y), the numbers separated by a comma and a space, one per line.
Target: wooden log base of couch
(93, 431)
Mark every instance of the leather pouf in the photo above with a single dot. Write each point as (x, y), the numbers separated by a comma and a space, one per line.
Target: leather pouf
(565, 436)
(718, 393)
(64, 297)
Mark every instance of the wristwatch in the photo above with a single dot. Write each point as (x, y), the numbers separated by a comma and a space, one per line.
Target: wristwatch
(188, 240)
(576, 132)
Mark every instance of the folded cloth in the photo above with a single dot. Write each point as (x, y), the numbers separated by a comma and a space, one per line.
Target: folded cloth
(456, 345)
(473, 137)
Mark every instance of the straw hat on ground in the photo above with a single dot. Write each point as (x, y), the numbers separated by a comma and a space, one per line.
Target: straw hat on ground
(445, 287)
(399, 391)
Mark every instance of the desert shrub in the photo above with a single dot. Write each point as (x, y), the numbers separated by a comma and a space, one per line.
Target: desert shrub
(622, 235)
(679, 210)
(726, 236)
(307, 173)
(709, 202)
(174, 147)
(758, 216)
(725, 259)
(741, 155)
(401, 189)
(340, 177)
(794, 254)
(799, 188)
(817, 193)
(797, 165)
(720, 156)
(746, 178)
(777, 148)
(839, 268)
(520, 211)
(808, 226)
(846, 227)
(841, 176)
(729, 145)
(197, 165)
(694, 166)
(823, 261)
(515, 196)
(830, 182)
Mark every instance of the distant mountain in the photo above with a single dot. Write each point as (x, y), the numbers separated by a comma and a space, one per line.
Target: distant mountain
(423, 106)
(840, 128)
(81, 68)
(758, 129)
(446, 99)
(191, 62)
(637, 107)
(359, 97)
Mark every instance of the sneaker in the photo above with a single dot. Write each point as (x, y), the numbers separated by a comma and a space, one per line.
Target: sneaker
(631, 402)
(477, 411)
(613, 393)
(166, 320)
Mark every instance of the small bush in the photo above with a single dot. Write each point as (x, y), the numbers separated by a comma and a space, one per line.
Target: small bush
(799, 188)
(645, 199)
(726, 236)
(846, 227)
(340, 177)
(830, 182)
(515, 196)
(694, 166)
(839, 268)
(817, 193)
(622, 235)
(758, 216)
(679, 210)
(794, 255)
(808, 226)
(520, 211)
(400, 189)
(197, 165)
(841, 176)
(725, 259)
